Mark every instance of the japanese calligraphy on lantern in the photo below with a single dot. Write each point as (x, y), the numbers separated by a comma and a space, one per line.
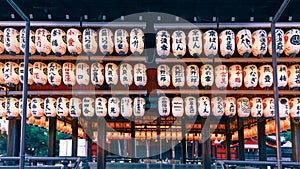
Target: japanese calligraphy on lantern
(163, 76)
(279, 42)
(136, 41)
(244, 42)
(235, 76)
(194, 41)
(282, 76)
(207, 75)
(12, 107)
(210, 43)
(164, 106)
(243, 107)
(32, 48)
(190, 108)
(82, 74)
(204, 106)
(42, 41)
(113, 107)
(58, 41)
(139, 106)
(178, 43)
(227, 43)
(2, 107)
(268, 107)
(230, 106)
(106, 41)
(265, 76)
(11, 41)
(126, 77)
(54, 74)
(74, 41)
(284, 107)
(294, 76)
(259, 43)
(88, 106)
(40, 73)
(30, 73)
(192, 76)
(111, 74)
(50, 107)
(75, 107)
(178, 77)
(97, 74)
(62, 106)
(126, 107)
(11, 73)
(256, 107)
(177, 107)
(140, 75)
(292, 42)
(90, 39)
(28, 113)
(37, 107)
(121, 41)
(250, 76)
(69, 77)
(163, 43)
(2, 79)
(221, 76)
(217, 106)
(100, 105)
(1, 42)
(295, 107)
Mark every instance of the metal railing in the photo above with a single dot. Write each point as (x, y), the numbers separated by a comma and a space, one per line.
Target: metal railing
(226, 164)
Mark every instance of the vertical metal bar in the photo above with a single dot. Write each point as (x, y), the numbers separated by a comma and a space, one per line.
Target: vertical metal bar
(74, 124)
(241, 139)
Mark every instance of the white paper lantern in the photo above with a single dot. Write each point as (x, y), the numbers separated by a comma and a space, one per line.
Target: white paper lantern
(243, 107)
(194, 41)
(207, 75)
(37, 107)
(74, 41)
(62, 107)
(217, 106)
(192, 76)
(139, 106)
(58, 41)
(244, 42)
(164, 106)
(295, 107)
(230, 106)
(292, 42)
(11, 73)
(294, 76)
(256, 107)
(126, 107)
(101, 109)
(12, 107)
(221, 76)
(111, 74)
(42, 41)
(113, 107)
(284, 107)
(121, 42)
(227, 43)
(50, 107)
(126, 77)
(28, 113)
(178, 77)
(265, 76)
(279, 42)
(82, 74)
(163, 76)
(11, 41)
(282, 75)
(69, 77)
(204, 107)
(97, 74)
(178, 44)
(106, 41)
(32, 48)
(90, 39)
(2, 79)
(30, 73)
(190, 107)
(75, 107)
(88, 107)
(40, 73)
(250, 76)
(1, 42)
(163, 43)
(136, 41)
(259, 43)
(268, 107)
(235, 76)
(210, 43)
(2, 107)
(140, 75)
(177, 107)
(54, 74)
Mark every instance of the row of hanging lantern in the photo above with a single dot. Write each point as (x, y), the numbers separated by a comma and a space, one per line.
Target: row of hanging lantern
(12, 73)
(258, 43)
(58, 41)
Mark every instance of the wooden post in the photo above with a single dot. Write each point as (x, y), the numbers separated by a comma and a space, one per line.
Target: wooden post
(295, 129)
(262, 148)
(183, 142)
(241, 152)
(133, 146)
(13, 139)
(228, 140)
(206, 145)
(89, 133)
(101, 163)
(74, 137)
(52, 137)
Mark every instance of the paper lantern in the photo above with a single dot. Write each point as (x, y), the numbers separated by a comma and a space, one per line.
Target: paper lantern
(210, 43)
(204, 106)
(97, 74)
(227, 43)
(178, 77)
(294, 76)
(194, 41)
(40, 73)
(268, 107)
(235, 76)
(121, 42)
(126, 77)
(279, 41)
(106, 41)
(11, 41)
(74, 41)
(207, 75)
(140, 75)
(217, 106)
(230, 106)
(284, 107)
(32, 48)
(190, 108)
(250, 76)
(28, 113)
(2, 107)
(282, 76)
(62, 107)
(178, 44)
(30, 73)
(12, 107)
(90, 39)
(113, 107)
(164, 106)
(2, 79)
(58, 41)
(11, 73)
(265, 76)
(50, 107)
(244, 42)
(54, 74)
(177, 107)
(243, 107)
(221, 76)
(126, 107)
(1, 42)
(163, 43)
(295, 107)
(139, 106)
(111, 74)
(259, 43)
(256, 107)
(192, 76)
(88, 107)
(37, 107)
(163, 76)
(75, 107)
(82, 74)
(292, 42)
(101, 109)
(42, 41)
(136, 41)
(69, 77)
